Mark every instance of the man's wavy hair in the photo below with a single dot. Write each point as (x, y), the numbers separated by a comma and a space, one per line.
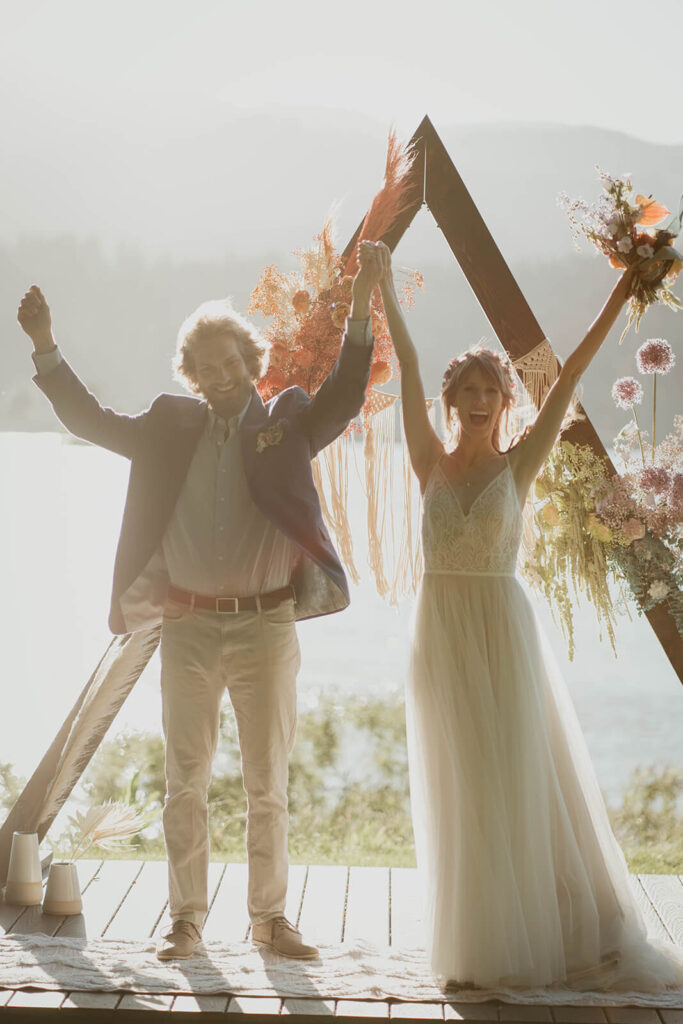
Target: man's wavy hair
(217, 316)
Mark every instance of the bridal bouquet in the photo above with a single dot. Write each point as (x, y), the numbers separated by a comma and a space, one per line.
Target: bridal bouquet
(632, 232)
(613, 535)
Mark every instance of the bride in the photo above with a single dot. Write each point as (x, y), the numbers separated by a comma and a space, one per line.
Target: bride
(525, 883)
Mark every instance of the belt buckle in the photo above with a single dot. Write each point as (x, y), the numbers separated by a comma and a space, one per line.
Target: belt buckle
(221, 601)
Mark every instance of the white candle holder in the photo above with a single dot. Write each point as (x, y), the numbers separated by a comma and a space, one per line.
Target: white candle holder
(24, 886)
(63, 893)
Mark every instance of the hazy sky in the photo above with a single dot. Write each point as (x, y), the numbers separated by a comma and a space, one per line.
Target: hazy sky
(481, 60)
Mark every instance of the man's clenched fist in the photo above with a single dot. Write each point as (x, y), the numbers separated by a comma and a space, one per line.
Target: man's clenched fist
(34, 316)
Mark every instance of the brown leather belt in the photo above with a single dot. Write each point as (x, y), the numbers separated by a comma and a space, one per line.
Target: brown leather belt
(232, 605)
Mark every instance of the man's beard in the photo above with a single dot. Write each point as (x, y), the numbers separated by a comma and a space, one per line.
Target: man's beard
(231, 403)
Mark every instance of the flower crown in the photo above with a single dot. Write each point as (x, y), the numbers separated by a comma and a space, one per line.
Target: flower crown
(458, 361)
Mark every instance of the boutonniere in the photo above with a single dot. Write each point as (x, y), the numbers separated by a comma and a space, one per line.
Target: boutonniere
(271, 437)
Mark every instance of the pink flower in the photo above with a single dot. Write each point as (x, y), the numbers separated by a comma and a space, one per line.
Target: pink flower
(658, 590)
(627, 392)
(655, 356)
(676, 495)
(633, 529)
(654, 478)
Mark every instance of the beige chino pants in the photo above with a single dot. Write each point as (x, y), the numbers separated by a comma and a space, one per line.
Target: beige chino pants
(255, 655)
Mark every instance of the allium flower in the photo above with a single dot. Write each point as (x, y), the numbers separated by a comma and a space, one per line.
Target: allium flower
(624, 244)
(646, 251)
(655, 356)
(658, 590)
(633, 529)
(654, 478)
(627, 392)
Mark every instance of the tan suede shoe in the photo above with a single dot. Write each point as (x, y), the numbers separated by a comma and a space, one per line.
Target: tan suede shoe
(282, 936)
(179, 942)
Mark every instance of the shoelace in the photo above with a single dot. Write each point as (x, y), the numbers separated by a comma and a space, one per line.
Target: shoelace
(282, 922)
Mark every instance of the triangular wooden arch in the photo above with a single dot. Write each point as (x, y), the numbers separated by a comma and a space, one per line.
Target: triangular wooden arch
(437, 185)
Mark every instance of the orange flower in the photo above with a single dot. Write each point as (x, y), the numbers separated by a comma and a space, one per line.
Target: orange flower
(339, 313)
(276, 380)
(304, 357)
(652, 212)
(301, 301)
(614, 261)
(380, 373)
(278, 354)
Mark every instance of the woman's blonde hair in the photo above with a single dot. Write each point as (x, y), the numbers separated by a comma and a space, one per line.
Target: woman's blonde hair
(217, 316)
(499, 370)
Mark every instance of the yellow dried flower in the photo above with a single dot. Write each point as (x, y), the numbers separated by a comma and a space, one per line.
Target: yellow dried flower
(598, 530)
(551, 515)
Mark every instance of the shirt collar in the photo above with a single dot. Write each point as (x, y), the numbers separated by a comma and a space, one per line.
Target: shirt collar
(216, 424)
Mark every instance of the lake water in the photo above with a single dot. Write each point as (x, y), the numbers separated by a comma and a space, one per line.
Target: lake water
(59, 522)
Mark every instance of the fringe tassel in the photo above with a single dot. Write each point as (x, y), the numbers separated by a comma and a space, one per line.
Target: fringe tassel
(538, 370)
(334, 459)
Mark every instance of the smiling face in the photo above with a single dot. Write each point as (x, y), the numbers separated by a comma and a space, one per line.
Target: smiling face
(221, 373)
(478, 403)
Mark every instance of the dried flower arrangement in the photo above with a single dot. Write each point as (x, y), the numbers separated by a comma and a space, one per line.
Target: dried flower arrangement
(594, 532)
(633, 233)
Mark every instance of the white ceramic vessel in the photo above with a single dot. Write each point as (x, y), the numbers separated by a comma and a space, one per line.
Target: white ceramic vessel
(63, 893)
(24, 885)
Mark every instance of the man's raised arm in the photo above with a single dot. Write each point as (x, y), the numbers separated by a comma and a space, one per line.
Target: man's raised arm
(76, 407)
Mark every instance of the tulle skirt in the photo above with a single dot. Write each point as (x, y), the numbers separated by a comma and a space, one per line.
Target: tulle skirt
(524, 882)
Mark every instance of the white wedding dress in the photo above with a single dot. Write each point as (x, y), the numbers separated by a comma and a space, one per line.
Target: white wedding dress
(525, 884)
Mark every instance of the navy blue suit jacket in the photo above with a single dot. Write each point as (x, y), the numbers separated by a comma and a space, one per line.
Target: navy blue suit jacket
(160, 443)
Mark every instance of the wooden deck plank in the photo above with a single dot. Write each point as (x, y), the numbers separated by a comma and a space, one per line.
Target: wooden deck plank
(631, 1015)
(666, 893)
(454, 1010)
(652, 919)
(145, 1001)
(295, 891)
(309, 1007)
(269, 1005)
(47, 1000)
(672, 1016)
(228, 919)
(91, 1001)
(406, 909)
(523, 1012)
(578, 1014)
(367, 906)
(362, 1008)
(322, 912)
(101, 899)
(200, 1004)
(144, 903)
(416, 1011)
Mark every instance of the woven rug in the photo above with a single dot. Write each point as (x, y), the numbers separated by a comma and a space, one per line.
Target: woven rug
(347, 971)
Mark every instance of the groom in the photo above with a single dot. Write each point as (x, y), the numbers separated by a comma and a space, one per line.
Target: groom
(223, 542)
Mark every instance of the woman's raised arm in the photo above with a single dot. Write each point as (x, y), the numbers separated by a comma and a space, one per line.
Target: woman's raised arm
(424, 446)
(530, 454)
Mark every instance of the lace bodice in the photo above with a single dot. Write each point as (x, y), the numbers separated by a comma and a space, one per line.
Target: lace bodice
(484, 541)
